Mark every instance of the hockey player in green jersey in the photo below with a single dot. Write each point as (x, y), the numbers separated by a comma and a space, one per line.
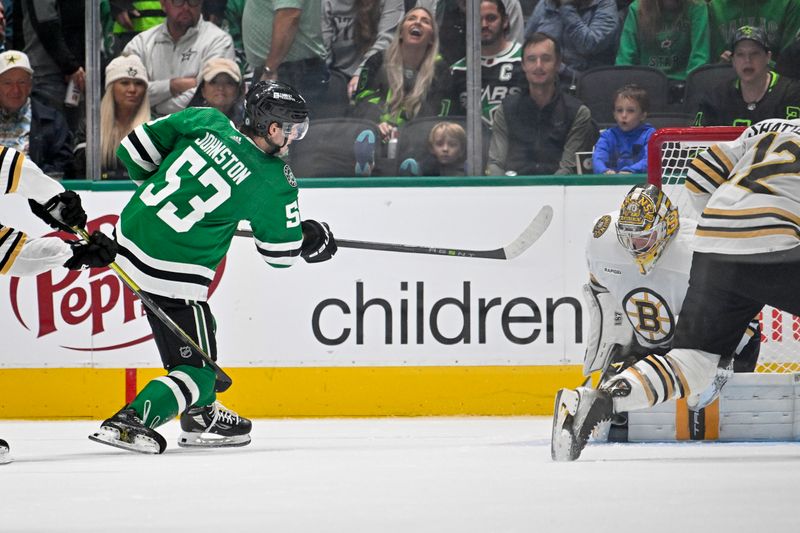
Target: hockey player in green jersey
(199, 177)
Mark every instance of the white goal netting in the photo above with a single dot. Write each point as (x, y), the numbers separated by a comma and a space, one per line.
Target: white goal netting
(669, 152)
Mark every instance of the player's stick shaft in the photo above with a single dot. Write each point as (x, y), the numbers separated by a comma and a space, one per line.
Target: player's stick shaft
(531, 234)
(223, 381)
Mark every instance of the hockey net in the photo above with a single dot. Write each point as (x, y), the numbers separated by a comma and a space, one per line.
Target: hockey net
(669, 152)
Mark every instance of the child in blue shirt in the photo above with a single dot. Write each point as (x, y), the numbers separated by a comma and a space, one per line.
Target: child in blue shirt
(623, 148)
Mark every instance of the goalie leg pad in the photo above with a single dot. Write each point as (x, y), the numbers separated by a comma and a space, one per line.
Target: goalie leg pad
(609, 329)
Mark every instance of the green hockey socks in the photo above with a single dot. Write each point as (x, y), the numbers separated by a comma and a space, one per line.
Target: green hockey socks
(165, 397)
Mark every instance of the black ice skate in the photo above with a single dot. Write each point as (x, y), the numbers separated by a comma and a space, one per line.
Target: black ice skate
(576, 414)
(5, 452)
(213, 426)
(125, 430)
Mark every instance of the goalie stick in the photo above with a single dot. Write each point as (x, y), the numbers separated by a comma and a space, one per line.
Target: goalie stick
(530, 235)
(223, 380)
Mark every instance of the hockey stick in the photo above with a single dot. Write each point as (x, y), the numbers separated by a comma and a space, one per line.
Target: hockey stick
(223, 381)
(530, 235)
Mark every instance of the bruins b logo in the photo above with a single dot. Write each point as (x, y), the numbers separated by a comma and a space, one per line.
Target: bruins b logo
(650, 315)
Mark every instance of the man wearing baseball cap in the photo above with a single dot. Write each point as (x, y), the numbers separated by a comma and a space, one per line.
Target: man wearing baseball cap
(757, 93)
(28, 125)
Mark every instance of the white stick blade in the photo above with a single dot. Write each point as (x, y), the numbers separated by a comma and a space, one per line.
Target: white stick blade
(531, 234)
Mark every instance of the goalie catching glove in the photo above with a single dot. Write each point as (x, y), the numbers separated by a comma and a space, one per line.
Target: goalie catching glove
(318, 242)
(99, 251)
(62, 211)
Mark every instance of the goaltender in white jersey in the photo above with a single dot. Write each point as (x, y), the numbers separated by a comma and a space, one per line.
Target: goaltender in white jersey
(746, 255)
(651, 301)
(638, 277)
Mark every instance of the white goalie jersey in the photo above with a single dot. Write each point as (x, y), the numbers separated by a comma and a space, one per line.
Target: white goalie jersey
(651, 302)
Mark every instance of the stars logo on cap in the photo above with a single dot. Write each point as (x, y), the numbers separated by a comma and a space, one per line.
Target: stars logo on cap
(12, 59)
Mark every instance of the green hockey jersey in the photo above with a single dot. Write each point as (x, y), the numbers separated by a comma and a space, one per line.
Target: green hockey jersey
(200, 177)
(501, 75)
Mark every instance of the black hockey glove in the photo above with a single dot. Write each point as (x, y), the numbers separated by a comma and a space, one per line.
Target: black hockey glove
(62, 211)
(98, 252)
(318, 242)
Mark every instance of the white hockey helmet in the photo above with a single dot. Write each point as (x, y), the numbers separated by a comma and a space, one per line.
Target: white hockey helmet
(647, 222)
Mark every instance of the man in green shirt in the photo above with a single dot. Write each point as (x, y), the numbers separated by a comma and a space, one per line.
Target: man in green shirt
(676, 43)
(779, 19)
(199, 177)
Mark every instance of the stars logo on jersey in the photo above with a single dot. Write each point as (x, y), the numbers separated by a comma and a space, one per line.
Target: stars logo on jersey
(287, 172)
(601, 226)
(187, 55)
(651, 317)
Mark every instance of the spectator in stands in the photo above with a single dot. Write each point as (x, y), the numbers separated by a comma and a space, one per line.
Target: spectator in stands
(124, 107)
(355, 30)
(132, 17)
(283, 41)
(670, 35)
(757, 93)
(28, 125)
(778, 19)
(407, 80)
(227, 14)
(221, 88)
(174, 51)
(586, 30)
(451, 18)
(54, 42)
(539, 130)
(622, 149)
(447, 143)
(4, 28)
(501, 64)
(789, 61)
(214, 11)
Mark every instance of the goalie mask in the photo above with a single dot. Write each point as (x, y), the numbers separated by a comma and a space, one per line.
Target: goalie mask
(647, 222)
(274, 101)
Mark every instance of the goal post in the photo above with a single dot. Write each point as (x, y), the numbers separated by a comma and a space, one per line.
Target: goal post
(669, 152)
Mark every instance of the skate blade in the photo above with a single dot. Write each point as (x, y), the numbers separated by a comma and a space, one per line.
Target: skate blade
(601, 431)
(140, 444)
(5, 458)
(211, 440)
(562, 439)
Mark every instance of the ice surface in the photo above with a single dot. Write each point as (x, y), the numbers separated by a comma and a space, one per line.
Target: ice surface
(393, 475)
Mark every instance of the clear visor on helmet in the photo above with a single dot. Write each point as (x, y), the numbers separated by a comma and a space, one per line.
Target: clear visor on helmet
(294, 131)
(640, 242)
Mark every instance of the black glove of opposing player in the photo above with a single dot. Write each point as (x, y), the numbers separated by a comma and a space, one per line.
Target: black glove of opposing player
(318, 242)
(62, 211)
(98, 252)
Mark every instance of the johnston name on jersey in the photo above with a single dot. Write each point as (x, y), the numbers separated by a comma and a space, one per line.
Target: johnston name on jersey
(653, 301)
(200, 177)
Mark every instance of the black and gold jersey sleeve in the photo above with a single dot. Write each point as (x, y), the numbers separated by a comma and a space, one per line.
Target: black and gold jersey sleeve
(11, 243)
